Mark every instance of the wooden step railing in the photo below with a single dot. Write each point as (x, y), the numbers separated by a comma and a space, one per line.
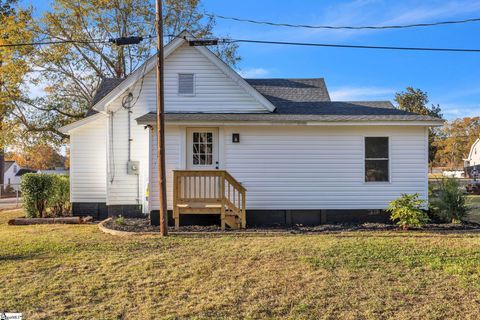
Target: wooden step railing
(209, 191)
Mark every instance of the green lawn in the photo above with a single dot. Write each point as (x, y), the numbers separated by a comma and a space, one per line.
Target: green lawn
(72, 272)
(473, 203)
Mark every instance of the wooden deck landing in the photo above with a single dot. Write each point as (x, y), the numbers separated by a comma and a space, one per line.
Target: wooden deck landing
(209, 192)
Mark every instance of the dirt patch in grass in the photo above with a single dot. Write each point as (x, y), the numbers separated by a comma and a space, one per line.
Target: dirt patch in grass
(143, 225)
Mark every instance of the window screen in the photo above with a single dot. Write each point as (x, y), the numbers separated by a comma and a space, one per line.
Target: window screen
(376, 159)
(186, 84)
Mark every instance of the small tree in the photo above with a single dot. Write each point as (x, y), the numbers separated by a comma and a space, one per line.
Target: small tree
(450, 203)
(407, 211)
(36, 191)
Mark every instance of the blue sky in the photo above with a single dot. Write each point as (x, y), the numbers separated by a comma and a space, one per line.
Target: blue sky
(451, 79)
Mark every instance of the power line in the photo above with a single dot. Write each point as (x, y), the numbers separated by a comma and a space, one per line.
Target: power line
(117, 41)
(277, 24)
(51, 42)
(348, 46)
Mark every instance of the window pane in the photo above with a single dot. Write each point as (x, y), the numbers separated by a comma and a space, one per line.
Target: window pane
(376, 170)
(209, 160)
(195, 159)
(376, 147)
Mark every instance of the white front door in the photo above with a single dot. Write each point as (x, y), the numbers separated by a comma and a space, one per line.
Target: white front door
(202, 148)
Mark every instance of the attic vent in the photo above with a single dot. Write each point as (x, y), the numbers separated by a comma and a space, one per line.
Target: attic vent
(186, 84)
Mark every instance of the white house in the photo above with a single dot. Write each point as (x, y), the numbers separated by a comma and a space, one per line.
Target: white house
(9, 177)
(301, 157)
(13, 174)
(472, 162)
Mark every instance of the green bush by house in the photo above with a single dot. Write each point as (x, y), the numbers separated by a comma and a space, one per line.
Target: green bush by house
(45, 195)
(407, 211)
(449, 205)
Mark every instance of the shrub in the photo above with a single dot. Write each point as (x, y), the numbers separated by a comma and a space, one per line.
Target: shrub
(36, 191)
(407, 211)
(449, 204)
(59, 202)
(120, 220)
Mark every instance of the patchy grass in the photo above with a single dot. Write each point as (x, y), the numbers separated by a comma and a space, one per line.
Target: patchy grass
(71, 272)
(473, 203)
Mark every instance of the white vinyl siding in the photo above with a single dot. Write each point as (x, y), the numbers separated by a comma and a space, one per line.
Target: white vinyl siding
(173, 154)
(214, 91)
(88, 169)
(312, 167)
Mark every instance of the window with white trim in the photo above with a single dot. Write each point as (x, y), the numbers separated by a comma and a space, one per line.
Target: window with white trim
(186, 84)
(377, 160)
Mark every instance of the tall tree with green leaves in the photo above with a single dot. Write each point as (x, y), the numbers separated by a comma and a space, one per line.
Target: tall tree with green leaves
(72, 72)
(14, 22)
(416, 101)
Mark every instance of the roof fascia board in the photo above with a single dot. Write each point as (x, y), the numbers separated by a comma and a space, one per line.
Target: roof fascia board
(72, 126)
(301, 123)
(136, 75)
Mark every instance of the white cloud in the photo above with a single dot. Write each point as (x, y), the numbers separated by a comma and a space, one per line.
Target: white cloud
(254, 72)
(361, 93)
(459, 111)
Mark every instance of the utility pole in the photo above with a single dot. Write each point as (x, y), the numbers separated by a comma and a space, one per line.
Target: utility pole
(162, 186)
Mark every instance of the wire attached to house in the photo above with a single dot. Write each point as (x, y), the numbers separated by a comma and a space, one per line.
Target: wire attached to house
(279, 24)
(120, 41)
(349, 46)
(112, 150)
(207, 42)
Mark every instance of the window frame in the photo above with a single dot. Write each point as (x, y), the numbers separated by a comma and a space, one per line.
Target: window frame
(194, 84)
(389, 159)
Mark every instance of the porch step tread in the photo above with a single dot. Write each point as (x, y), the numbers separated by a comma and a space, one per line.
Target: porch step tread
(199, 205)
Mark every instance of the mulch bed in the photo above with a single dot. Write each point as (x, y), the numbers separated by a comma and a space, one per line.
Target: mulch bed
(143, 225)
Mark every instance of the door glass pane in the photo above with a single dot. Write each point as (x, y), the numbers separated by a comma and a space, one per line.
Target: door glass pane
(202, 148)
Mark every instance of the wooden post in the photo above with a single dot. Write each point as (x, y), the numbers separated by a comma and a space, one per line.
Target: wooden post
(222, 197)
(162, 186)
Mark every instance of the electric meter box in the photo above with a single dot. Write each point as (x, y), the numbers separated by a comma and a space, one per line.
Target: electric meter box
(133, 167)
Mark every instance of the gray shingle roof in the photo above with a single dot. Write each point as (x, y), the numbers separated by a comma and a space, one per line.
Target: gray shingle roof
(327, 111)
(295, 100)
(279, 91)
(107, 85)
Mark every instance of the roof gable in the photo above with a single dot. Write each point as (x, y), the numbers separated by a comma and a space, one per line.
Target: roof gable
(472, 148)
(170, 48)
(7, 164)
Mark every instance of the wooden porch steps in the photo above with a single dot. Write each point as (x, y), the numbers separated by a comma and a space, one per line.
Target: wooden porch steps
(209, 192)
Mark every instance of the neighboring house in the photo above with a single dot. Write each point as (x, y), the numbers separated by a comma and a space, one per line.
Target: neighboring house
(57, 170)
(13, 174)
(472, 162)
(302, 157)
(9, 177)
